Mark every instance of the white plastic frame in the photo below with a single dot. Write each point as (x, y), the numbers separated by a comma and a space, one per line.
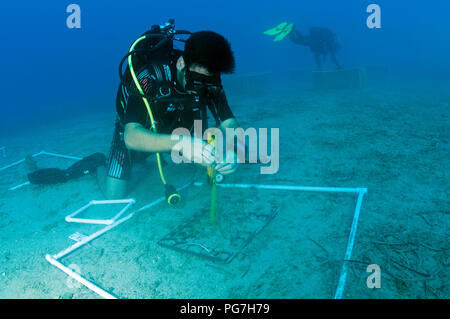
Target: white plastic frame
(351, 238)
(55, 259)
(71, 218)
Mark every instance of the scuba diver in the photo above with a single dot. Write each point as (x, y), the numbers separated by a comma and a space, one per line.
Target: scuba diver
(162, 89)
(321, 41)
(174, 88)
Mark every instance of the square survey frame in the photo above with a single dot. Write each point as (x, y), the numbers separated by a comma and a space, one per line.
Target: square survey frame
(72, 219)
(55, 259)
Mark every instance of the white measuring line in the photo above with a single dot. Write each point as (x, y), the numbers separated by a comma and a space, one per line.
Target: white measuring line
(76, 158)
(348, 252)
(35, 155)
(351, 239)
(80, 279)
(292, 188)
(55, 259)
(18, 162)
(19, 186)
(71, 218)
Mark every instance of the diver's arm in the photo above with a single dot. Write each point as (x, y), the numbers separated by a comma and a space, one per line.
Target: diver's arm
(138, 138)
(229, 123)
(233, 124)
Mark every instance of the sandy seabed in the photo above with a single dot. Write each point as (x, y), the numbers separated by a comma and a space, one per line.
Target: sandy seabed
(394, 140)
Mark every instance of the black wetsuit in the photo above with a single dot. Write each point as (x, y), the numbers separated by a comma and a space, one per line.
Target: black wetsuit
(175, 109)
(321, 41)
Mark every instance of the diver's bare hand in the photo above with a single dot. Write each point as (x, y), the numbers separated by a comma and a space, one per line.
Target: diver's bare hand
(229, 165)
(195, 150)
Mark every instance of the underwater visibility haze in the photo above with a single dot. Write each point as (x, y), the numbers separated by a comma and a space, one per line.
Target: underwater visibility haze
(339, 187)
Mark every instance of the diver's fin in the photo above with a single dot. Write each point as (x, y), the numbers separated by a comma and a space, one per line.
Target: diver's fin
(286, 31)
(277, 29)
(87, 165)
(48, 176)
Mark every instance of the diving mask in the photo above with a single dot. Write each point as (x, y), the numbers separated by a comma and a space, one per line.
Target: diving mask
(203, 85)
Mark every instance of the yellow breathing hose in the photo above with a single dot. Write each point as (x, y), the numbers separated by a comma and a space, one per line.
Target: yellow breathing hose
(147, 105)
(173, 194)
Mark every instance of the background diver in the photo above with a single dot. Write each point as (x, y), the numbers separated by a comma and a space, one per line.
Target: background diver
(161, 89)
(321, 41)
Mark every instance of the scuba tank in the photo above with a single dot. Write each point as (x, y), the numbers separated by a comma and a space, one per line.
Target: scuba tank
(154, 45)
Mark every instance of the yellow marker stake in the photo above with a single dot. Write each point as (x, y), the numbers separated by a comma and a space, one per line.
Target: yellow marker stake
(212, 178)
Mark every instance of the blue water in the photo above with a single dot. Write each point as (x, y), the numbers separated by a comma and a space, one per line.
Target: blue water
(50, 70)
